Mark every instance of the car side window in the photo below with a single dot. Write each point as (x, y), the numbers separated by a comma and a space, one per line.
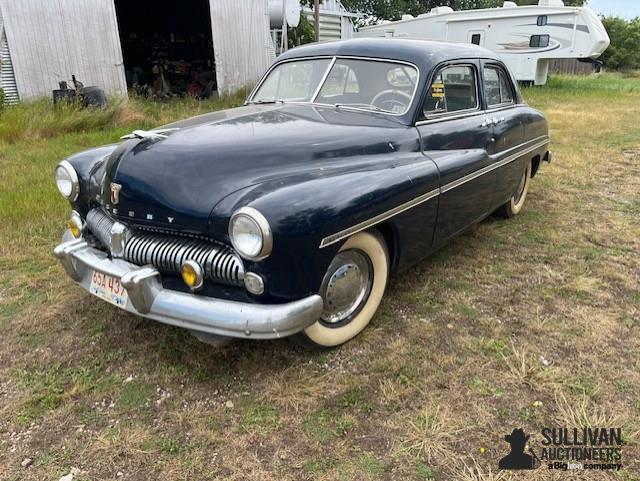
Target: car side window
(452, 89)
(497, 87)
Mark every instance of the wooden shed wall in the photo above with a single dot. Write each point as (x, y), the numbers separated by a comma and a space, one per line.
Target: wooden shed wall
(51, 39)
(570, 66)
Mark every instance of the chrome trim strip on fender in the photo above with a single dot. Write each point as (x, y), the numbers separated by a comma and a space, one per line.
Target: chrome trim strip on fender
(338, 236)
(332, 239)
(489, 168)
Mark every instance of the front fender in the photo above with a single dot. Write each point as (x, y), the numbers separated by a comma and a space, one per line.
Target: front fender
(302, 212)
(87, 165)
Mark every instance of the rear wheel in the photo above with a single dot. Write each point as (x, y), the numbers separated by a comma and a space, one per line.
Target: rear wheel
(351, 289)
(514, 205)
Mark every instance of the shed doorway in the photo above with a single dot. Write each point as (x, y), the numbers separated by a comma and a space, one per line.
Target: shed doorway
(167, 48)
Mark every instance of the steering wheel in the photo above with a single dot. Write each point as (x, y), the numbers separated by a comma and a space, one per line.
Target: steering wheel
(387, 100)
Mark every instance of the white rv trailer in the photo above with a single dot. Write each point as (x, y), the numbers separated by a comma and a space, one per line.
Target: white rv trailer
(524, 37)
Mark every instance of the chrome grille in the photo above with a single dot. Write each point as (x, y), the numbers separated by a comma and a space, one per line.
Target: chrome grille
(167, 252)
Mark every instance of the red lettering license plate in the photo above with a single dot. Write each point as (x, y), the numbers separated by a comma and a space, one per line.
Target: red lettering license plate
(108, 288)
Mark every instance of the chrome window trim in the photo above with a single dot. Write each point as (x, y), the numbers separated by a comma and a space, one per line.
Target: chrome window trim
(338, 236)
(323, 79)
(326, 74)
(448, 115)
(505, 107)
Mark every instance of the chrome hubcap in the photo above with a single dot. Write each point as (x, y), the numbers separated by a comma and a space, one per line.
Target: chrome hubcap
(346, 286)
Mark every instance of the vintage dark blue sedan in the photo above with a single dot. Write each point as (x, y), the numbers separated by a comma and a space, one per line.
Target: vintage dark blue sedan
(349, 161)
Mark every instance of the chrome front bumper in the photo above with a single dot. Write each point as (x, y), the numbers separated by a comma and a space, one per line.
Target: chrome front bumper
(147, 298)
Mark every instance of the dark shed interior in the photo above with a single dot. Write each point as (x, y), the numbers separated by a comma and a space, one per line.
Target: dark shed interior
(167, 47)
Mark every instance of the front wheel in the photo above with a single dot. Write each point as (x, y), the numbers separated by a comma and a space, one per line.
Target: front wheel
(514, 205)
(351, 289)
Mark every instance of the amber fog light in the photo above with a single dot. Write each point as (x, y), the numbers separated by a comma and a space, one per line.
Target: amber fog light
(192, 274)
(75, 225)
(254, 283)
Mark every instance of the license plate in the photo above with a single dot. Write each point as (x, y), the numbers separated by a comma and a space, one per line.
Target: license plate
(108, 288)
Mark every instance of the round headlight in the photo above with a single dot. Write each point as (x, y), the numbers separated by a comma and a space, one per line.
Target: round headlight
(67, 181)
(250, 234)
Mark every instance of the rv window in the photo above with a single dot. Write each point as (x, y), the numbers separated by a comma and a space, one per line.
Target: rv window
(451, 90)
(542, 20)
(497, 87)
(475, 39)
(539, 41)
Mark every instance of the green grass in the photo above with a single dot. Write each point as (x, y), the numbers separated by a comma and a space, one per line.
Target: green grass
(527, 323)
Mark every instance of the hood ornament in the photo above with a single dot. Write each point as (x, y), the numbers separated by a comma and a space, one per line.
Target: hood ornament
(158, 134)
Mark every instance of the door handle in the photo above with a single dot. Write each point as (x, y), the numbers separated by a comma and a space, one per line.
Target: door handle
(496, 120)
(486, 123)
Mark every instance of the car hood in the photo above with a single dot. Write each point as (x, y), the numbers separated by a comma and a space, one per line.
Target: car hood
(177, 181)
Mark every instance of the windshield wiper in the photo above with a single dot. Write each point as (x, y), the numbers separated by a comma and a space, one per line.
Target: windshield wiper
(267, 101)
(375, 108)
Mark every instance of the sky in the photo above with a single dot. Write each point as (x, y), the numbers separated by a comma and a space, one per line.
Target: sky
(618, 8)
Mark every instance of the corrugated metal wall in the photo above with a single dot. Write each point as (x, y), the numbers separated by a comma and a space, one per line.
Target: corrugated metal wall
(7, 79)
(241, 41)
(52, 39)
(335, 20)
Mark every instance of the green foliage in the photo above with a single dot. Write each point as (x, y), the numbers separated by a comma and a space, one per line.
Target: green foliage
(303, 33)
(624, 51)
(2, 96)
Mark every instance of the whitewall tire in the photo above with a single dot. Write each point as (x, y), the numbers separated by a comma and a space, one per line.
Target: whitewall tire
(352, 290)
(514, 205)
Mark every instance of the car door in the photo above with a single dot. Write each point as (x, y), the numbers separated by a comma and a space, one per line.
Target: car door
(507, 119)
(456, 135)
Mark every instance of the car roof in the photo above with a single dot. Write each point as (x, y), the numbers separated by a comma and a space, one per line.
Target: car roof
(423, 53)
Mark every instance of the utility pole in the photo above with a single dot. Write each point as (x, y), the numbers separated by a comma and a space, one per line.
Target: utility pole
(316, 18)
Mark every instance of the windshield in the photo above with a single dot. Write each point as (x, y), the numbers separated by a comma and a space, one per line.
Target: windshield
(377, 85)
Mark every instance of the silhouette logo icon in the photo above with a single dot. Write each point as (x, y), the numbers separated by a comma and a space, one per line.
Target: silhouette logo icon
(517, 458)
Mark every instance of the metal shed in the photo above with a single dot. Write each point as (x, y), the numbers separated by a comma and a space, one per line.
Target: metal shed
(44, 42)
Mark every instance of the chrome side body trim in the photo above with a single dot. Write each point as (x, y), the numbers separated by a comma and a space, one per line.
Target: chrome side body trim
(338, 236)
(147, 298)
(332, 239)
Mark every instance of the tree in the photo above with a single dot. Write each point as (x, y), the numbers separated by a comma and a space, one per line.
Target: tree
(624, 51)
(303, 33)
